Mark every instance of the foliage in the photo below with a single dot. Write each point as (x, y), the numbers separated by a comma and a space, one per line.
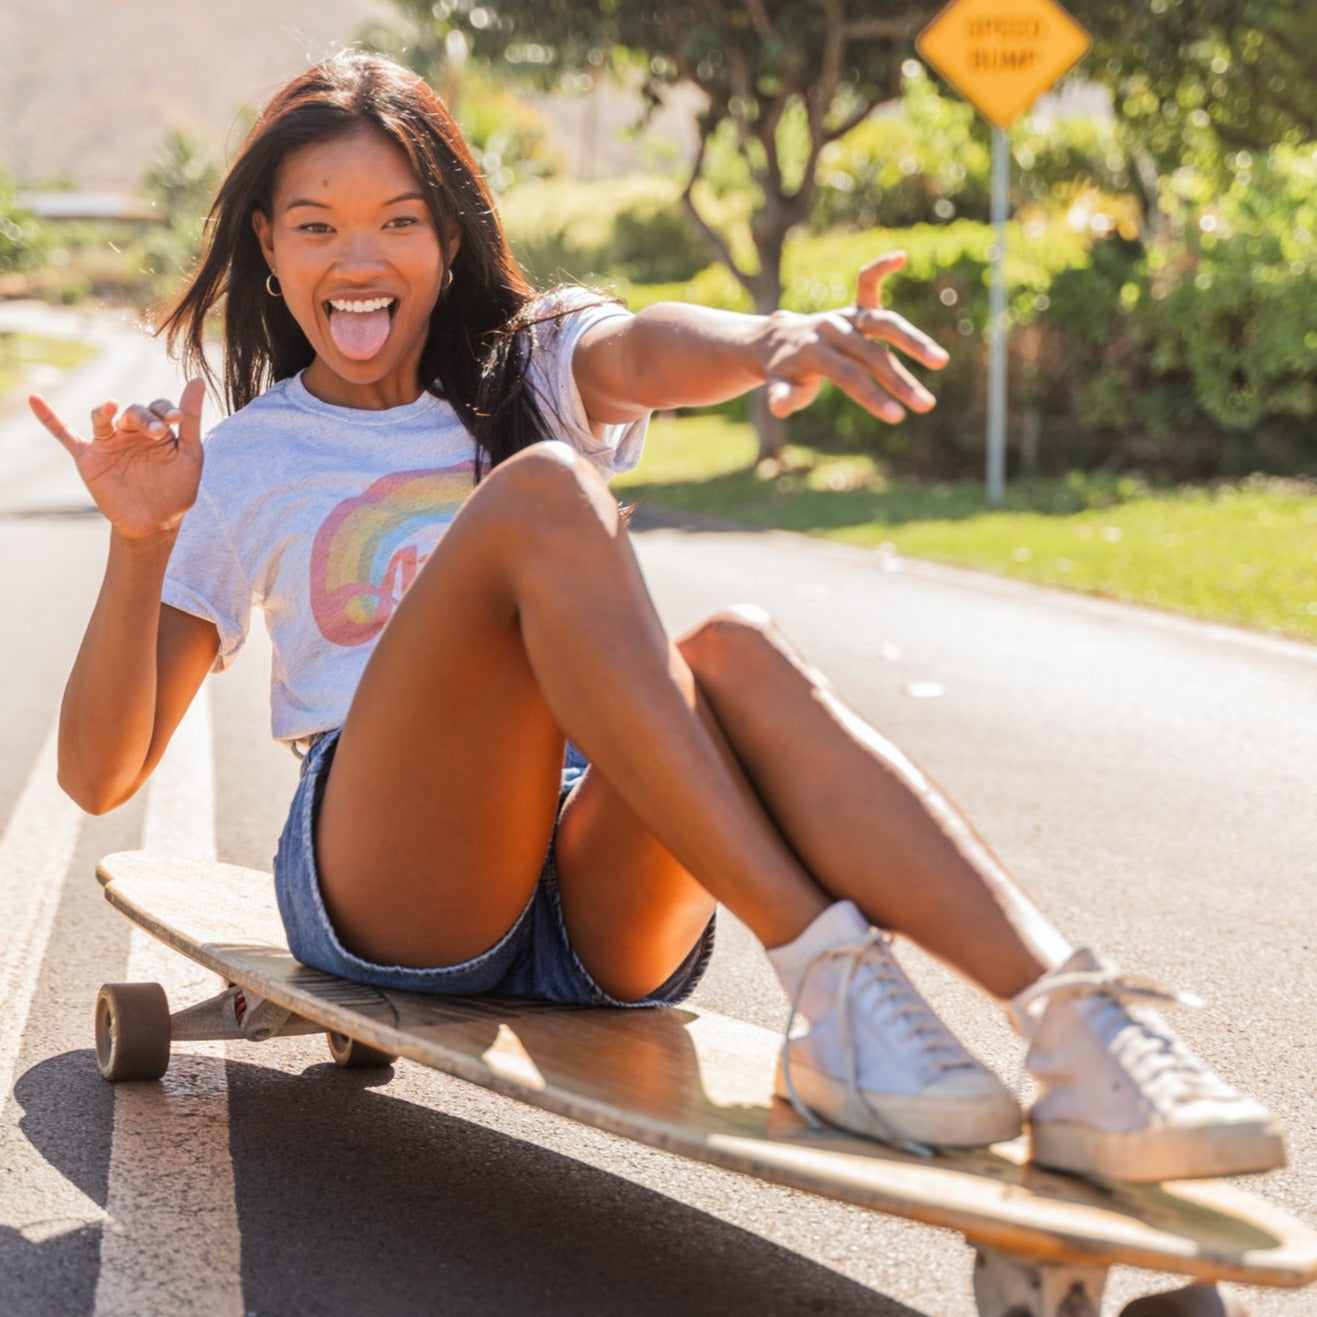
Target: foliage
(1245, 325)
(791, 87)
(631, 229)
(181, 179)
(23, 239)
(781, 78)
(785, 78)
(1199, 80)
(943, 289)
(507, 135)
(931, 162)
(1198, 363)
(1210, 342)
(926, 164)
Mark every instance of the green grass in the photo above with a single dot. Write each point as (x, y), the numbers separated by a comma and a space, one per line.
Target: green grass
(19, 353)
(1243, 553)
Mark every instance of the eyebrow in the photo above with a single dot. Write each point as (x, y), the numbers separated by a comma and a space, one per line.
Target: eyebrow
(321, 205)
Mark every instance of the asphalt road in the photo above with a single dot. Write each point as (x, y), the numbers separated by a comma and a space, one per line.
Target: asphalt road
(1150, 780)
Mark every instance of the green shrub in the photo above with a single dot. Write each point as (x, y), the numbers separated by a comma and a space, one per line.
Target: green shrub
(23, 238)
(1209, 359)
(930, 162)
(1198, 359)
(1244, 324)
(633, 228)
(507, 135)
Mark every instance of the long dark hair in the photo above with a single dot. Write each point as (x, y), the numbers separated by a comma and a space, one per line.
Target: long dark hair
(483, 327)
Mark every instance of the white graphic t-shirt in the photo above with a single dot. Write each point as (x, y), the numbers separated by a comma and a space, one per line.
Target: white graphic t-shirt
(321, 516)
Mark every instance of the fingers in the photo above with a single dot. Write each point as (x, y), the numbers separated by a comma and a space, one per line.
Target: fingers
(860, 365)
(157, 419)
(189, 411)
(48, 417)
(888, 327)
(102, 419)
(888, 372)
(787, 396)
(868, 287)
(853, 348)
(153, 421)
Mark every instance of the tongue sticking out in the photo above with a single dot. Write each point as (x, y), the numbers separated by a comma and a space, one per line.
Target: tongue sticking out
(359, 335)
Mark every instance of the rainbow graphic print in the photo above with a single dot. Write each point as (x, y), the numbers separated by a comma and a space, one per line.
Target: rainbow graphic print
(369, 549)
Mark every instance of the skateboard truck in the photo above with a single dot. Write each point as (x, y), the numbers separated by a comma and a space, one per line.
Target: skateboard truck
(1008, 1285)
(237, 1013)
(134, 1028)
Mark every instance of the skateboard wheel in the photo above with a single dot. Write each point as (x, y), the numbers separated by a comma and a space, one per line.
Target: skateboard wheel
(132, 1031)
(353, 1055)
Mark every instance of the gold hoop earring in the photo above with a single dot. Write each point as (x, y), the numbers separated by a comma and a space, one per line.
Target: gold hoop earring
(272, 285)
(448, 282)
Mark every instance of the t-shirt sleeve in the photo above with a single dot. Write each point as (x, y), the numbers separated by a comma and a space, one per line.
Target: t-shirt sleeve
(205, 578)
(612, 448)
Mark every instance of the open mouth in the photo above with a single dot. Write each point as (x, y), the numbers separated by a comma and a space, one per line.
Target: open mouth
(360, 326)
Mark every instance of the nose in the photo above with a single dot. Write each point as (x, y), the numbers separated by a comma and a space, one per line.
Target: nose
(359, 253)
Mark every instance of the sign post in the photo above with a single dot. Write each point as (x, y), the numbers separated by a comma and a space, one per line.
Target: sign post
(1001, 55)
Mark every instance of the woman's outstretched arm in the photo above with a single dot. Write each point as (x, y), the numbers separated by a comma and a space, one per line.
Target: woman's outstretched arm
(676, 355)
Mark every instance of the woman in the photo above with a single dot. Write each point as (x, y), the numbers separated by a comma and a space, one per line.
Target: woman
(410, 489)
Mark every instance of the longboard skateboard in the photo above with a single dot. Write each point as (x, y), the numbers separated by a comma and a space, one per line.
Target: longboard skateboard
(690, 1082)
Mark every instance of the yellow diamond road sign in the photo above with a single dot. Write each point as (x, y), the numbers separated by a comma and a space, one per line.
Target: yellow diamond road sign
(1002, 54)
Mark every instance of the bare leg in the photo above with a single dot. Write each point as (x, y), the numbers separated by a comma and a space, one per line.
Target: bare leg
(866, 822)
(530, 619)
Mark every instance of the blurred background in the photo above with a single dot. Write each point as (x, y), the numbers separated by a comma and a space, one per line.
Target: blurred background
(1160, 255)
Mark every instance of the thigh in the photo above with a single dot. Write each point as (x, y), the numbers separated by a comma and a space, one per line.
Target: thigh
(439, 808)
(632, 910)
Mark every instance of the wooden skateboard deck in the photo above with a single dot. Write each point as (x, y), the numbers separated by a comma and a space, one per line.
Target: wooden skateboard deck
(700, 1085)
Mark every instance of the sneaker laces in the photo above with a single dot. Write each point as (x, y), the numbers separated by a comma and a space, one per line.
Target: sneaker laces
(1151, 1049)
(936, 1048)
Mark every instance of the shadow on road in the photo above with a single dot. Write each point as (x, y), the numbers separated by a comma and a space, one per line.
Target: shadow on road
(352, 1201)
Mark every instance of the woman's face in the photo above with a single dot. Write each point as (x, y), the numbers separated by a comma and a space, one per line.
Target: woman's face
(359, 263)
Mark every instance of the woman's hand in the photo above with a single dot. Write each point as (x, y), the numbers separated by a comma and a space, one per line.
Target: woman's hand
(850, 348)
(142, 473)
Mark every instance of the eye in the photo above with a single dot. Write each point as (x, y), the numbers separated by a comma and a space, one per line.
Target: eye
(402, 222)
(314, 226)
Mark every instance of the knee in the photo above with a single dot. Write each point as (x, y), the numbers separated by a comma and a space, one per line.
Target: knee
(547, 489)
(731, 644)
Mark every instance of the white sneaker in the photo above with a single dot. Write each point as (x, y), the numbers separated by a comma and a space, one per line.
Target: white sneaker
(1120, 1096)
(875, 1059)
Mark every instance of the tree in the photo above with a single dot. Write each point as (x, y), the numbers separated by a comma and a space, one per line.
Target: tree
(783, 77)
(1203, 86)
(1198, 83)
(181, 178)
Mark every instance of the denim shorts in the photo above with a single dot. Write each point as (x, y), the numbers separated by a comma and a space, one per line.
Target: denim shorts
(533, 959)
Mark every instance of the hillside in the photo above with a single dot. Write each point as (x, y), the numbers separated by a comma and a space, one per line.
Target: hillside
(88, 89)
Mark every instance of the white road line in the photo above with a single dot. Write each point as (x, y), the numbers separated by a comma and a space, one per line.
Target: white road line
(35, 852)
(36, 849)
(171, 1244)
